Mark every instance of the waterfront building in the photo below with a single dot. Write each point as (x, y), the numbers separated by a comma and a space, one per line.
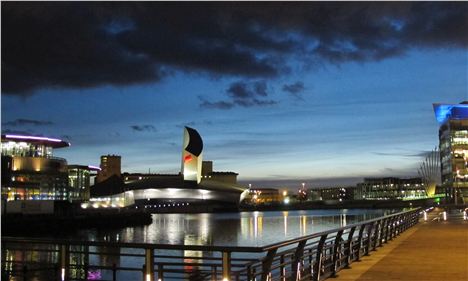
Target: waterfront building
(453, 147)
(177, 190)
(110, 166)
(331, 193)
(264, 196)
(79, 181)
(30, 171)
(208, 173)
(390, 188)
(191, 164)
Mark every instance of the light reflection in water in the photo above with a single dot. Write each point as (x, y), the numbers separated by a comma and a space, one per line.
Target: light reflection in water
(229, 229)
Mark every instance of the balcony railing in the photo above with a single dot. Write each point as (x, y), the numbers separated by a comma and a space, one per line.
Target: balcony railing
(313, 257)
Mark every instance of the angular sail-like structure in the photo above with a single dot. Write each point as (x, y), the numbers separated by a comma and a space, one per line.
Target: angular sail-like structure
(192, 149)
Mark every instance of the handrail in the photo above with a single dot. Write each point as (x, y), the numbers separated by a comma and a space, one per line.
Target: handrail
(318, 234)
(311, 257)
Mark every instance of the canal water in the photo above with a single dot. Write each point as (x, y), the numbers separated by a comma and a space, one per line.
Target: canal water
(220, 229)
(232, 229)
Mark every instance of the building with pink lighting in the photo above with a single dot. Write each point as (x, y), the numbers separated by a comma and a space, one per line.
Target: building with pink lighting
(30, 171)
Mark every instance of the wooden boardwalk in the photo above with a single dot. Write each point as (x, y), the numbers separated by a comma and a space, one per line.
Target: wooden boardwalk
(433, 250)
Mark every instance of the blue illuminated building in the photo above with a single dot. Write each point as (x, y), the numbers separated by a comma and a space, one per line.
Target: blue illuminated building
(453, 146)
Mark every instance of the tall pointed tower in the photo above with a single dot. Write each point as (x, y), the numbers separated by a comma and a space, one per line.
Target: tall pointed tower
(192, 149)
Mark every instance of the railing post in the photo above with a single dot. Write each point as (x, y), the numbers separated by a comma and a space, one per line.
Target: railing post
(386, 226)
(392, 226)
(64, 262)
(161, 272)
(149, 265)
(318, 258)
(25, 272)
(249, 273)
(359, 242)
(349, 246)
(282, 269)
(214, 273)
(369, 237)
(407, 221)
(376, 235)
(226, 266)
(266, 264)
(298, 254)
(398, 226)
(114, 272)
(336, 252)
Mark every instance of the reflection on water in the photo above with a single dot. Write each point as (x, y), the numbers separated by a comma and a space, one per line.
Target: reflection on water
(228, 229)
(233, 229)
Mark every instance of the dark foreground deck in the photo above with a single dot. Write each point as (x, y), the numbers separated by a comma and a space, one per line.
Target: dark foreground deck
(432, 250)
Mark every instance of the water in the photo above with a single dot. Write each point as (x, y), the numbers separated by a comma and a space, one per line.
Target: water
(220, 229)
(231, 229)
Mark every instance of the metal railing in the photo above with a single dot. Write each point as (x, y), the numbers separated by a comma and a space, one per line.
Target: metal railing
(313, 257)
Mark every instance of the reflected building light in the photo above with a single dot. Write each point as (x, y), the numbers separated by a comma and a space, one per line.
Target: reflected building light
(255, 227)
(303, 224)
(285, 219)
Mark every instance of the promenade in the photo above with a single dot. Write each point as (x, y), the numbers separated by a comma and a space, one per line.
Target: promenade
(432, 250)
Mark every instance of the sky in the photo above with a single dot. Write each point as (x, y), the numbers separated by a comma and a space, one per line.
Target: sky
(282, 93)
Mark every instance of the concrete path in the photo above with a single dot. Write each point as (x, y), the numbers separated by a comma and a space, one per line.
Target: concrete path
(433, 250)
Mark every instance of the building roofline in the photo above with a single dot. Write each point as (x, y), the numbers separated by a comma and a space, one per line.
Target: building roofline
(84, 167)
(444, 111)
(55, 143)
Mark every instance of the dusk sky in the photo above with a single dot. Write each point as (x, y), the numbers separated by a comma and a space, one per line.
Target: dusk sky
(281, 93)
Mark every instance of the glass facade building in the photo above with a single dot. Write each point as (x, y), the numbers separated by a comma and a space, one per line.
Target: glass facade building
(79, 181)
(453, 146)
(30, 171)
(390, 188)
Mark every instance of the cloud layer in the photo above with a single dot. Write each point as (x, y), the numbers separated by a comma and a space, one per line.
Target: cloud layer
(25, 122)
(143, 128)
(242, 94)
(85, 44)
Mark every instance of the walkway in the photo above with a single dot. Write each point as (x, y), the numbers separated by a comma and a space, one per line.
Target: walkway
(433, 250)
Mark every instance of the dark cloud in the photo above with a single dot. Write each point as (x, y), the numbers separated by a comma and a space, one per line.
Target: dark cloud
(26, 122)
(419, 154)
(244, 95)
(18, 132)
(194, 124)
(294, 89)
(143, 128)
(85, 44)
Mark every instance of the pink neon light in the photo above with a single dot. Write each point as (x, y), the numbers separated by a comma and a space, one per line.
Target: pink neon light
(32, 138)
(94, 167)
(94, 275)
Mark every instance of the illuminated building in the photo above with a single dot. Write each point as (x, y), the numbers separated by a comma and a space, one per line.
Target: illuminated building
(192, 155)
(178, 190)
(453, 147)
(264, 196)
(110, 166)
(390, 188)
(79, 181)
(30, 171)
(331, 193)
(208, 173)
